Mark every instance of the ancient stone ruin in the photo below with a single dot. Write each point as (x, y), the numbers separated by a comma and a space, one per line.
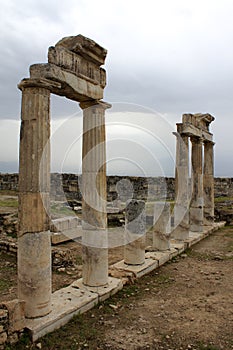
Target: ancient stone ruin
(194, 201)
(74, 71)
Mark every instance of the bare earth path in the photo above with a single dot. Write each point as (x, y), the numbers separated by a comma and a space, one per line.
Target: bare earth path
(186, 304)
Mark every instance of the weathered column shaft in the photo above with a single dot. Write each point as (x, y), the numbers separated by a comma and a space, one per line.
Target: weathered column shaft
(34, 252)
(208, 182)
(196, 208)
(135, 229)
(181, 209)
(162, 226)
(94, 214)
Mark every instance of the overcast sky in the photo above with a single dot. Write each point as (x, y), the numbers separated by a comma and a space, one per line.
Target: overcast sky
(165, 58)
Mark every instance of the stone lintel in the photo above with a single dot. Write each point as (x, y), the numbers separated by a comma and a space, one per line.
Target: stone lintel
(77, 65)
(40, 83)
(200, 120)
(96, 103)
(85, 47)
(191, 130)
(74, 87)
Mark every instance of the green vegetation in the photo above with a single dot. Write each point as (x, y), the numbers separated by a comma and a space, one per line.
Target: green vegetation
(5, 284)
(222, 199)
(10, 202)
(57, 209)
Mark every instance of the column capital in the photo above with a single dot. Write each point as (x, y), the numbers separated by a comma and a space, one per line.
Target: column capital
(208, 142)
(176, 134)
(96, 103)
(180, 135)
(196, 139)
(40, 83)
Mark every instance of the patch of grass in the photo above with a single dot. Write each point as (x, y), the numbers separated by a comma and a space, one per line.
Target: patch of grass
(82, 331)
(78, 260)
(5, 285)
(222, 199)
(128, 291)
(23, 343)
(8, 268)
(200, 256)
(57, 209)
(163, 279)
(11, 202)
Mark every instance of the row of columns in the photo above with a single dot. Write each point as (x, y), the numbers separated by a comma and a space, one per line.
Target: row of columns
(34, 252)
(194, 199)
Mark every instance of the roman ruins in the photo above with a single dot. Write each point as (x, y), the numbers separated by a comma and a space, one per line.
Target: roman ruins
(194, 201)
(74, 71)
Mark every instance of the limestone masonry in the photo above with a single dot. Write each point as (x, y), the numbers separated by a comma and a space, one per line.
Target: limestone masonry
(223, 186)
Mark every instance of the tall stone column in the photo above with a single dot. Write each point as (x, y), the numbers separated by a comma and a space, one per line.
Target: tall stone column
(196, 207)
(34, 252)
(182, 192)
(208, 182)
(94, 214)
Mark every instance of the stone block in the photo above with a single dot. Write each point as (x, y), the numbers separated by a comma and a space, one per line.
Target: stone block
(75, 87)
(161, 257)
(16, 309)
(77, 64)
(3, 338)
(138, 270)
(104, 292)
(3, 315)
(66, 303)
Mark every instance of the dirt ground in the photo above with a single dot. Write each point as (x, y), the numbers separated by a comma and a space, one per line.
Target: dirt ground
(186, 304)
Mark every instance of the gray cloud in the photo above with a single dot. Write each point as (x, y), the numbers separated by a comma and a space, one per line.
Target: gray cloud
(172, 57)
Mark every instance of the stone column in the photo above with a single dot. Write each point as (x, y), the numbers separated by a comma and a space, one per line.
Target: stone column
(135, 229)
(208, 182)
(34, 252)
(162, 226)
(94, 214)
(181, 209)
(196, 207)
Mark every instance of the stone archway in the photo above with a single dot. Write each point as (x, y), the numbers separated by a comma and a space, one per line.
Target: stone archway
(74, 71)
